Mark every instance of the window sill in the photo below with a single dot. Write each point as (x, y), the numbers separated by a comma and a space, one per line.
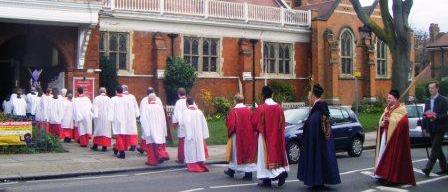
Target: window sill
(346, 77)
(277, 76)
(209, 75)
(382, 78)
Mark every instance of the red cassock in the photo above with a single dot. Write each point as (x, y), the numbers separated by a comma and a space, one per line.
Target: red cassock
(270, 122)
(239, 123)
(395, 163)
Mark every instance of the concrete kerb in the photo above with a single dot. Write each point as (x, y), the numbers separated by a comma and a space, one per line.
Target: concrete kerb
(94, 173)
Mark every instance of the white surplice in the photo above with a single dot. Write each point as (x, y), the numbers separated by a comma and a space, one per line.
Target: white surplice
(19, 106)
(103, 126)
(153, 120)
(45, 104)
(179, 109)
(56, 111)
(38, 111)
(117, 115)
(196, 131)
(7, 107)
(31, 103)
(82, 114)
(132, 113)
(67, 119)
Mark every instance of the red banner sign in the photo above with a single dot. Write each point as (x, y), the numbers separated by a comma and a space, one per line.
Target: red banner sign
(87, 83)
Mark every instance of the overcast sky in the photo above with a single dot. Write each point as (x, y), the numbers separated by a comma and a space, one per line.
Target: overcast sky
(424, 12)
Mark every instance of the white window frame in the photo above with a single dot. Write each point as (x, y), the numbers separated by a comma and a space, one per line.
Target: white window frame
(107, 51)
(201, 55)
(381, 60)
(277, 47)
(352, 51)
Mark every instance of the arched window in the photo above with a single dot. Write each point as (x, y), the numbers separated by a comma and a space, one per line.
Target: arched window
(347, 54)
(381, 59)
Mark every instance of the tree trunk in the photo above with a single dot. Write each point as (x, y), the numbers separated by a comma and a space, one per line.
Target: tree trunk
(400, 67)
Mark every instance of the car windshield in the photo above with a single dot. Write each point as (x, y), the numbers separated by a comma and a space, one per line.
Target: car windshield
(293, 116)
(412, 111)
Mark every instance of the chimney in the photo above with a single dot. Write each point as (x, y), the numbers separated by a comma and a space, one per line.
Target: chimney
(433, 31)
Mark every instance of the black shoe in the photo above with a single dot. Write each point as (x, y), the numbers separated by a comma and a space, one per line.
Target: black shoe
(426, 172)
(442, 172)
(247, 176)
(115, 151)
(229, 172)
(94, 147)
(282, 178)
(265, 183)
(67, 140)
(104, 149)
(132, 148)
(122, 155)
(140, 150)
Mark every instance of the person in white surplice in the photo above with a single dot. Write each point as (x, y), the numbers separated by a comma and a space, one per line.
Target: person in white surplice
(103, 127)
(19, 104)
(31, 102)
(153, 122)
(67, 119)
(82, 115)
(56, 113)
(117, 114)
(45, 110)
(149, 91)
(196, 131)
(131, 118)
(179, 108)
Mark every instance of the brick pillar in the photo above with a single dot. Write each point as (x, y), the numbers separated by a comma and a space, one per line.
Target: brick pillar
(245, 66)
(160, 56)
(334, 68)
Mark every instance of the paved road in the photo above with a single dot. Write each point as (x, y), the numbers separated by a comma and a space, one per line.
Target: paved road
(354, 172)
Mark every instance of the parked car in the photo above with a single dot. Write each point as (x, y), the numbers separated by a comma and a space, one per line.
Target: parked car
(347, 131)
(415, 114)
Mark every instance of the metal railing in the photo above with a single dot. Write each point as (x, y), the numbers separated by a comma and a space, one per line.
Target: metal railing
(216, 9)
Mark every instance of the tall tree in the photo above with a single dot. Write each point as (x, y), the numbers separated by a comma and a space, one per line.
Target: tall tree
(395, 33)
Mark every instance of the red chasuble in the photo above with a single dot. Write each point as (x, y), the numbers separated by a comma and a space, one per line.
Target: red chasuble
(270, 122)
(395, 165)
(239, 123)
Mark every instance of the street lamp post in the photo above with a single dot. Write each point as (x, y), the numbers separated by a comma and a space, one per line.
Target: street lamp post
(254, 42)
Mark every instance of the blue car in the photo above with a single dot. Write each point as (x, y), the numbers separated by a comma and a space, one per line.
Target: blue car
(348, 132)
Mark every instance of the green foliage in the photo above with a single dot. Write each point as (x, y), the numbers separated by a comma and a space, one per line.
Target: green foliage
(222, 106)
(178, 74)
(369, 121)
(376, 107)
(108, 75)
(422, 93)
(218, 132)
(283, 91)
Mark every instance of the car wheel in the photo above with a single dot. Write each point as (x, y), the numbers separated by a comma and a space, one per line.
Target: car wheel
(293, 151)
(355, 149)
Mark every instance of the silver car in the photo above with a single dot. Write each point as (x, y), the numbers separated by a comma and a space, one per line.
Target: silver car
(415, 113)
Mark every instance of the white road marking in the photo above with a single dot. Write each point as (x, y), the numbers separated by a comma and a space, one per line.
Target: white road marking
(154, 172)
(195, 189)
(228, 186)
(9, 183)
(355, 171)
(368, 173)
(432, 180)
(369, 190)
(392, 189)
(220, 165)
(77, 178)
(421, 172)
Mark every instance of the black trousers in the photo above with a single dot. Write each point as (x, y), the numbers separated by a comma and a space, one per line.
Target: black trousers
(436, 151)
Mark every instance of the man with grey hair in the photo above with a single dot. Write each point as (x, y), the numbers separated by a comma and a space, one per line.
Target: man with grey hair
(103, 127)
(63, 92)
(131, 118)
(31, 103)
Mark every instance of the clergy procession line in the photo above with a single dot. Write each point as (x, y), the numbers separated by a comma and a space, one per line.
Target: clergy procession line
(256, 135)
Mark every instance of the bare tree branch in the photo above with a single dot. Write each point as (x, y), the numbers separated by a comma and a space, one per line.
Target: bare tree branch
(386, 16)
(358, 9)
(397, 8)
(379, 32)
(407, 5)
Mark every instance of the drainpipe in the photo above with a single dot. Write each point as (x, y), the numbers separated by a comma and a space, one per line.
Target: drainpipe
(172, 36)
(253, 41)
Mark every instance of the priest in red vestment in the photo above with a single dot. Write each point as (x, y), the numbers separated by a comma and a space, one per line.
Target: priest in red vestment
(243, 139)
(272, 164)
(393, 163)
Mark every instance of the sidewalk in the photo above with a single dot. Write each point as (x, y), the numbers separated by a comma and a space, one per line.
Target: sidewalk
(83, 161)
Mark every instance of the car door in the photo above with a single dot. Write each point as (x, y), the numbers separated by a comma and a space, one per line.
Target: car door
(338, 127)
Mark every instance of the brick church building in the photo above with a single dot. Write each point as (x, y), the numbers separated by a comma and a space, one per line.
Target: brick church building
(296, 40)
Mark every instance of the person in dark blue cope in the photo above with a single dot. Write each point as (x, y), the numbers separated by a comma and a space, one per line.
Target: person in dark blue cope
(317, 161)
